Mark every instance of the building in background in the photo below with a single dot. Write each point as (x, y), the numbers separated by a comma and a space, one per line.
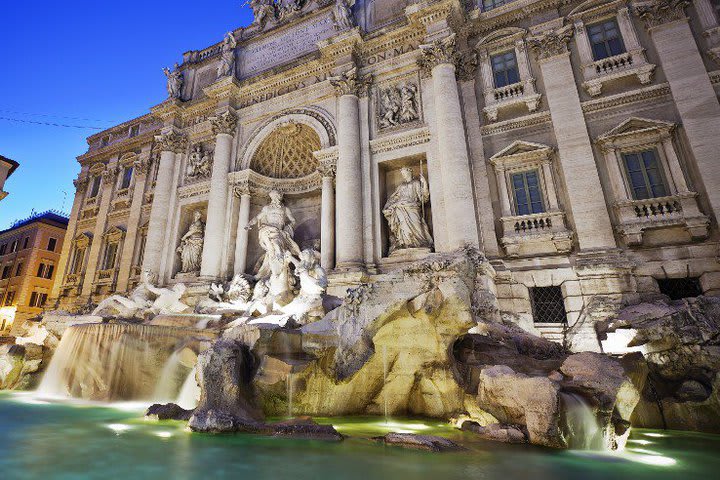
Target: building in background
(7, 167)
(29, 255)
(574, 143)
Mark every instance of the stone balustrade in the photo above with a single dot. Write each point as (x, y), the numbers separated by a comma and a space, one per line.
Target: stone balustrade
(681, 210)
(539, 233)
(632, 63)
(613, 64)
(507, 92)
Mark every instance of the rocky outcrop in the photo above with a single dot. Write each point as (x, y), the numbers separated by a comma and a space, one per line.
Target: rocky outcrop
(19, 364)
(168, 411)
(496, 432)
(428, 443)
(227, 402)
(681, 344)
(304, 428)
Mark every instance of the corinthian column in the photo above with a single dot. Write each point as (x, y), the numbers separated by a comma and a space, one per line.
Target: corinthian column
(577, 162)
(348, 207)
(224, 129)
(694, 95)
(439, 58)
(241, 245)
(170, 143)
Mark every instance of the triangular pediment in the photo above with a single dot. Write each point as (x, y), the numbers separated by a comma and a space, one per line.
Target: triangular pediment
(637, 124)
(519, 147)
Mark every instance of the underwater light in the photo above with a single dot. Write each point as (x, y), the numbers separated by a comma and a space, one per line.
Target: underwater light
(653, 434)
(642, 450)
(119, 428)
(657, 460)
(641, 442)
(164, 434)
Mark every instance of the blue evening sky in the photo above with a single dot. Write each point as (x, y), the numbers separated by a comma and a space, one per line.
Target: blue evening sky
(91, 64)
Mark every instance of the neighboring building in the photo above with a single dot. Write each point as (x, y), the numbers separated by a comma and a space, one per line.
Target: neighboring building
(575, 143)
(29, 257)
(7, 167)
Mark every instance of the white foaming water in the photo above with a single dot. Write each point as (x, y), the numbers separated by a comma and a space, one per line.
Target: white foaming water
(584, 431)
(189, 393)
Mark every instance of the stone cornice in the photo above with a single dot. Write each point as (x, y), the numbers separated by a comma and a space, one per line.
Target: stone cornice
(248, 181)
(515, 123)
(512, 12)
(405, 139)
(638, 95)
(118, 148)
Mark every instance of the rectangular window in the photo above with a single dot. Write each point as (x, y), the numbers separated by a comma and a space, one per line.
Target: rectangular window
(25, 242)
(678, 288)
(95, 187)
(37, 299)
(41, 271)
(52, 243)
(78, 260)
(490, 4)
(505, 69)
(9, 298)
(14, 246)
(134, 131)
(127, 177)
(605, 39)
(49, 271)
(548, 305)
(645, 175)
(526, 189)
(141, 255)
(110, 256)
(18, 270)
(3, 248)
(6, 271)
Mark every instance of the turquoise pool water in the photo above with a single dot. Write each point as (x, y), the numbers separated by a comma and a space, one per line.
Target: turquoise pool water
(59, 441)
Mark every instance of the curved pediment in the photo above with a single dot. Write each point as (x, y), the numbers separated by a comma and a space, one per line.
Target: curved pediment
(500, 36)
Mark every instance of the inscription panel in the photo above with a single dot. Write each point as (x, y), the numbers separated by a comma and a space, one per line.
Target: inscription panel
(285, 46)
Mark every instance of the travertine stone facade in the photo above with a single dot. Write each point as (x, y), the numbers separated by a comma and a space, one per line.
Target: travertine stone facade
(574, 142)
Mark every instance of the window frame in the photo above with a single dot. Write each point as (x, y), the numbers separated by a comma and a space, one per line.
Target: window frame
(94, 189)
(602, 23)
(54, 241)
(526, 189)
(127, 177)
(643, 170)
(502, 56)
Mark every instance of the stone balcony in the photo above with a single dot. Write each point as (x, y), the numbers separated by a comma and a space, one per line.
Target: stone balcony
(72, 280)
(610, 69)
(637, 216)
(106, 277)
(511, 95)
(536, 234)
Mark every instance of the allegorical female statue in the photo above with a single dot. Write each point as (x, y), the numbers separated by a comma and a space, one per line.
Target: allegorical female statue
(191, 245)
(174, 82)
(227, 59)
(404, 213)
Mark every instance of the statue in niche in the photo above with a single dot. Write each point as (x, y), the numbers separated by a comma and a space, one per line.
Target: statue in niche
(342, 14)
(227, 58)
(191, 245)
(404, 212)
(276, 225)
(398, 105)
(174, 82)
(199, 164)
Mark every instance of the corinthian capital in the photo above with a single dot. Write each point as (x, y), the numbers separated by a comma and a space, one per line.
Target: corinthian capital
(142, 165)
(349, 83)
(438, 52)
(658, 12)
(81, 184)
(171, 142)
(552, 42)
(225, 122)
(109, 175)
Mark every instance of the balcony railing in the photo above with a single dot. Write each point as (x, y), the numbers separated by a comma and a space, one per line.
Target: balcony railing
(613, 64)
(507, 92)
(536, 234)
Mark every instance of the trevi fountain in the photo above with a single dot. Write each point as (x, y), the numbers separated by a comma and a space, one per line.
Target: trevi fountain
(362, 320)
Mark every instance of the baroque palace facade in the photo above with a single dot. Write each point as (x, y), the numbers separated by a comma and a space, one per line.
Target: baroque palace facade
(575, 143)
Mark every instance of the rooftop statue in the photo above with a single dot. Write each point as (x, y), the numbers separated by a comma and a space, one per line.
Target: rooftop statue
(174, 82)
(342, 14)
(227, 59)
(404, 212)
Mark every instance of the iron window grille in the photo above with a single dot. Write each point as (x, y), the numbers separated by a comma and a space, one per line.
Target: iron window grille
(548, 305)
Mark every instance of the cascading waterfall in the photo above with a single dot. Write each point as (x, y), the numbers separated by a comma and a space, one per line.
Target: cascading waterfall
(113, 362)
(189, 392)
(172, 377)
(583, 429)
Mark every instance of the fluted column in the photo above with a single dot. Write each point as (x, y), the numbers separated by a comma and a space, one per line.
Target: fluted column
(327, 216)
(170, 143)
(241, 245)
(694, 95)
(141, 167)
(348, 206)
(224, 129)
(439, 59)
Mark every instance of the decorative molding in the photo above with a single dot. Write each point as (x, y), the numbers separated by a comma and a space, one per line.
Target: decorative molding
(81, 184)
(109, 175)
(194, 190)
(327, 161)
(531, 120)
(401, 140)
(397, 105)
(248, 180)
